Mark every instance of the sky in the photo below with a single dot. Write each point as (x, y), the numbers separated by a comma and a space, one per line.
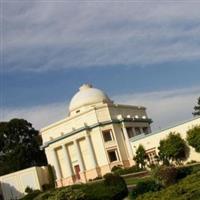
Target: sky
(139, 52)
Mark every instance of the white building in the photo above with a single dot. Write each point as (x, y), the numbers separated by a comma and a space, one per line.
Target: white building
(13, 185)
(151, 141)
(98, 134)
(93, 138)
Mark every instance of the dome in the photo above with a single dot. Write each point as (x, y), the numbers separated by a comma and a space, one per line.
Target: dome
(87, 95)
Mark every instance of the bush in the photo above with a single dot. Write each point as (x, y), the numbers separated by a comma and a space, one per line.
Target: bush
(31, 195)
(191, 162)
(141, 157)
(68, 194)
(46, 187)
(186, 189)
(165, 175)
(145, 186)
(113, 187)
(173, 148)
(193, 138)
(184, 171)
(115, 168)
(28, 190)
(129, 170)
(51, 177)
(95, 179)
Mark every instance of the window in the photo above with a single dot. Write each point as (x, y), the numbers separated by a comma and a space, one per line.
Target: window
(137, 130)
(152, 156)
(112, 155)
(130, 132)
(145, 130)
(107, 135)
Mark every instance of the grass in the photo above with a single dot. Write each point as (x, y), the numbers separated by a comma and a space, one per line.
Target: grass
(135, 180)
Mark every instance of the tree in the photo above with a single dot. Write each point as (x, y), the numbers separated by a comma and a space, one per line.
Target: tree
(193, 138)
(141, 157)
(173, 148)
(197, 108)
(19, 146)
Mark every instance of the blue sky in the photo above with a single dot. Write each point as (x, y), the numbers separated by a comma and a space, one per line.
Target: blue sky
(139, 52)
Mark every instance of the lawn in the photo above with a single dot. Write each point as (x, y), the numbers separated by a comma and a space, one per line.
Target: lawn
(135, 180)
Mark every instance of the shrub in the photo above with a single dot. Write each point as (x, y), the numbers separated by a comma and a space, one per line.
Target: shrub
(46, 187)
(145, 186)
(193, 138)
(173, 148)
(113, 187)
(31, 195)
(51, 177)
(165, 175)
(129, 170)
(141, 157)
(186, 189)
(28, 190)
(95, 179)
(115, 168)
(68, 194)
(184, 171)
(191, 162)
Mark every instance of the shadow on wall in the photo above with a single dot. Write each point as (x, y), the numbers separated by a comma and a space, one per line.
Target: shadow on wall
(9, 192)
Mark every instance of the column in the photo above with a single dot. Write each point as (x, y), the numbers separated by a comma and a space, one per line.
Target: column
(127, 141)
(56, 164)
(67, 161)
(91, 151)
(78, 152)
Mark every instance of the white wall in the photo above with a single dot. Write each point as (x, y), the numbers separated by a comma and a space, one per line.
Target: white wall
(152, 140)
(13, 185)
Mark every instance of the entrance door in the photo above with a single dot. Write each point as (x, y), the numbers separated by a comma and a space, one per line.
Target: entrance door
(77, 171)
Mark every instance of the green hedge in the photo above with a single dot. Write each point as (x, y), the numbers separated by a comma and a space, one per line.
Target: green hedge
(113, 187)
(145, 186)
(31, 195)
(187, 189)
(122, 171)
(184, 171)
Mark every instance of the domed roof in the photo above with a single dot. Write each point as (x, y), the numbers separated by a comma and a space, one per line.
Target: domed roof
(87, 95)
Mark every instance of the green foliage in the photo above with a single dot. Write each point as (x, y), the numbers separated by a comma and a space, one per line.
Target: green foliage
(193, 138)
(116, 168)
(68, 194)
(141, 157)
(19, 146)
(186, 189)
(96, 178)
(28, 190)
(31, 195)
(121, 171)
(51, 178)
(197, 108)
(182, 172)
(145, 186)
(113, 187)
(173, 148)
(165, 175)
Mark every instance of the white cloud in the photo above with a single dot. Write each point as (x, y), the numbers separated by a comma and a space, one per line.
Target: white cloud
(49, 35)
(39, 116)
(164, 107)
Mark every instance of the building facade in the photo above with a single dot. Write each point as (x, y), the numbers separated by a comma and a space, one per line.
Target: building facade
(94, 137)
(151, 141)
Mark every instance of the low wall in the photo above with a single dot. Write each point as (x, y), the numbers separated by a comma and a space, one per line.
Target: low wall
(13, 185)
